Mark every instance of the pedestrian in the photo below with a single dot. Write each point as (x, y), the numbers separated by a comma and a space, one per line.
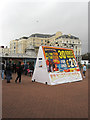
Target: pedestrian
(11, 69)
(25, 68)
(22, 64)
(14, 67)
(2, 70)
(84, 70)
(5, 69)
(80, 65)
(8, 72)
(11, 66)
(31, 68)
(19, 72)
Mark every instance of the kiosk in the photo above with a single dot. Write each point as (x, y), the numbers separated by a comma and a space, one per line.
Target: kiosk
(56, 65)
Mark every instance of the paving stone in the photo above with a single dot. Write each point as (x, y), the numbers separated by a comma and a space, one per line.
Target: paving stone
(36, 100)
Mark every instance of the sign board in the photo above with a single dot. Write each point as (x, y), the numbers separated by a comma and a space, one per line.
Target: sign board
(56, 65)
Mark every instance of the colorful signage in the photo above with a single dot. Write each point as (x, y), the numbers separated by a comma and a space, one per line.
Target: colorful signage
(61, 63)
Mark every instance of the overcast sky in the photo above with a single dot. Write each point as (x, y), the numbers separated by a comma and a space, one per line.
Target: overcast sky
(20, 18)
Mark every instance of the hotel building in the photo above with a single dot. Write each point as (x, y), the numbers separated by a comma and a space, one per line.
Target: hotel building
(19, 46)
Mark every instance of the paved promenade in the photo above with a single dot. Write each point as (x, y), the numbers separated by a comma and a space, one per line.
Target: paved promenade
(36, 100)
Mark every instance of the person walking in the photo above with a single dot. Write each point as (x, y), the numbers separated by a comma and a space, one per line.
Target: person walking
(19, 71)
(8, 72)
(14, 67)
(84, 71)
(2, 70)
(31, 67)
(26, 67)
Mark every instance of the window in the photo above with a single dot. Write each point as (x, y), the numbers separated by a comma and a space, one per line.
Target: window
(78, 58)
(33, 43)
(48, 41)
(2, 50)
(14, 51)
(41, 40)
(76, 47)
(56, 42)
(62, 36)
(76, 52)
(14, 47)
(63, 41)
(71, 37)
(40, 58)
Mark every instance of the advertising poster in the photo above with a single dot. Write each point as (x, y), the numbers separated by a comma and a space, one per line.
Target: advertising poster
(61, 64)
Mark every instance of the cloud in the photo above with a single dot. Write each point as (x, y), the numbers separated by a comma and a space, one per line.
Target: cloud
(22, 18)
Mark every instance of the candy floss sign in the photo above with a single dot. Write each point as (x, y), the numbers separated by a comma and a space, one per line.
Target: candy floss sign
(61, 65)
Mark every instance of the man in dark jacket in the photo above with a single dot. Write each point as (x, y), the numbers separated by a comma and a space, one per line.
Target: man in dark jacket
(14, 67)
(8, 72)
(3, 69)
(26, 67)
(19, 71)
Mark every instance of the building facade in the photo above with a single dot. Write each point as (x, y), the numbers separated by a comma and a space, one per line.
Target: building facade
(4, 51)
(69, 41)
(14, 46)
(19, 46)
